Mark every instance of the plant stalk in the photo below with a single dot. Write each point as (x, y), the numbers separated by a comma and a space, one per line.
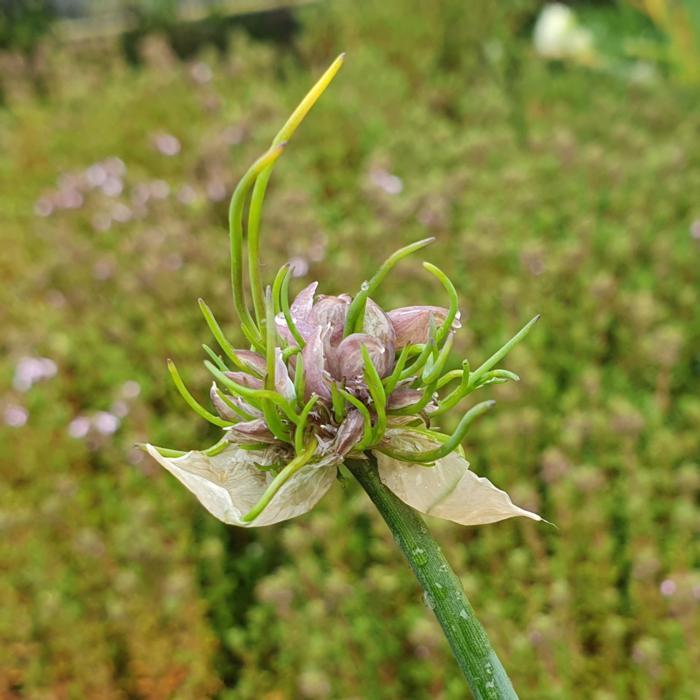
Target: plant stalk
(442, 590)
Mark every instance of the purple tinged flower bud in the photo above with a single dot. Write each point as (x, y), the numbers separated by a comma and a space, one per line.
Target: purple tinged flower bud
(317, 379)
(378, 324)
(283, 384)
(255, 429)
(412, 323)
(404, 396)
(300, 310)
(349, 433)
(253, 359)
(331, 311)
(349, 364)
(225, 411)
(245, 379)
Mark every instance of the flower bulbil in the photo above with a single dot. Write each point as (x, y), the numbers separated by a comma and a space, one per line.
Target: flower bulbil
(327, 378)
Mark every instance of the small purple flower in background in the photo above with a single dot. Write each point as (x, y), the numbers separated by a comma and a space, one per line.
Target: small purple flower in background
(386, 181)
(30, 370)
(15, 416)
(166, 144)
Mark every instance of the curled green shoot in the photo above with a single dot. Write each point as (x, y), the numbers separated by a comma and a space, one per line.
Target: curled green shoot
(224, 344)
(425, 352)
(286, 311)
(356, 312)
(367, 429)
(215, 449)
(503, 351)
(235, 218)
(376, 390)
(415, 408)
(255, 397)
(301, 425)
(392, 380)
(446, 447)
(433, 368)
(457, 394)
(280, 480)
(216, 359)
(191, 401)
(263, 178)
(299, 380)
(453, 308)
(236, 408)
(338, 403)
(277, 287)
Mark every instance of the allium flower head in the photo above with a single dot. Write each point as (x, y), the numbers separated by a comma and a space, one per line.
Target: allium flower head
(327, 378)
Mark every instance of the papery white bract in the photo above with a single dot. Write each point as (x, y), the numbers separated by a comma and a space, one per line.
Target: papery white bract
(230, 483)
(449, 489)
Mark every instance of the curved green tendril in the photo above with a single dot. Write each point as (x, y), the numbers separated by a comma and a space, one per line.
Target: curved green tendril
(431, 372)
(263, 178)
(457, 394)
(367, 430)
(234, 407)
(299, 380)
(235, 219)
(416, 408)
(448, 446)
(216, 359)
(453, 309)
(301, 426)
(277, 287)
(287, 473)
(286, 311)
(338, 403)
(217, 448)
(376, 390)
(224, 344)
(426, 351)
(392, 380)
(191, 401)
(504, 350)
(255, 397)
(354, 320)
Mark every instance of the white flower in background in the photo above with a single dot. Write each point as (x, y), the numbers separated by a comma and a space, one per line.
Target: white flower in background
(559, 35)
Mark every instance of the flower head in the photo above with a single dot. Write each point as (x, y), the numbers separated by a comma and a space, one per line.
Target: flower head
(326, 378)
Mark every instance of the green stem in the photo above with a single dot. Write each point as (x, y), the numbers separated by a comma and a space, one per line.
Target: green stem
(442, 589)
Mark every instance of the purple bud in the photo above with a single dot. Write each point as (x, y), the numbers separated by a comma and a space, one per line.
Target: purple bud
(283, 384)
(316, 377)
(378, 325)
(330, 311)
(412, 323)
(349, 433)
(245, 379)
(253, 359)
(303, 303)
(255, 429)
(300, 311)
(348, 362)
(404, 396)
(224, 410)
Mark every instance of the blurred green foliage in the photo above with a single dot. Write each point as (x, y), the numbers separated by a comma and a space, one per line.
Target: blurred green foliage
(550, 189)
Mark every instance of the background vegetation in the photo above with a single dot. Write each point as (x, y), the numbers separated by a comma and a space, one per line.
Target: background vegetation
(552, 188)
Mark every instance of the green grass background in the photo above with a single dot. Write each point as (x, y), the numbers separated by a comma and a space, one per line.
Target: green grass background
(551, 189)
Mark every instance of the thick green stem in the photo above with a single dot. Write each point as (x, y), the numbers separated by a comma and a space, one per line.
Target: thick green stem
(443, 591)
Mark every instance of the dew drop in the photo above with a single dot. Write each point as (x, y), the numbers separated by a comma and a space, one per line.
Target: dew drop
(419, 556)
